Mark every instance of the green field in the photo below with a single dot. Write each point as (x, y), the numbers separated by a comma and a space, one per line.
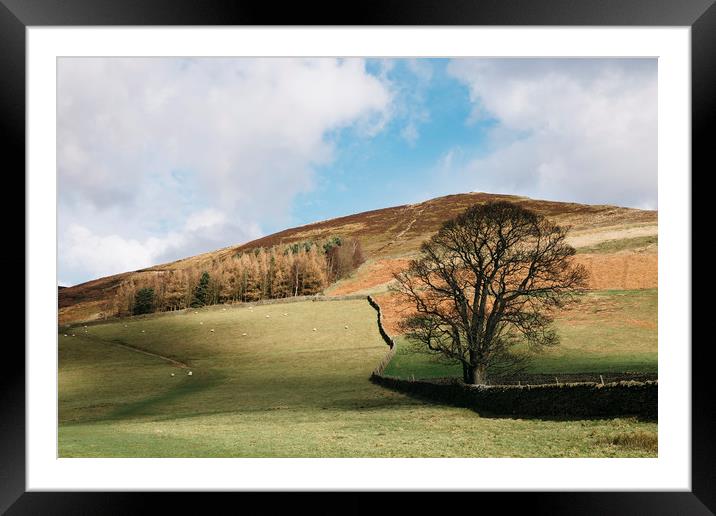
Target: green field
(607, 332)
(622, 244)
(284, 390)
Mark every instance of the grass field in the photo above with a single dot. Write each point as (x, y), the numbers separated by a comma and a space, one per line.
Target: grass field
(624, 244)
(284, 390)
(607, 332)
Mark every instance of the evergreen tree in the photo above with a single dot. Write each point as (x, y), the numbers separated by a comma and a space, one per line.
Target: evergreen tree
(201, 292)
(144, 301)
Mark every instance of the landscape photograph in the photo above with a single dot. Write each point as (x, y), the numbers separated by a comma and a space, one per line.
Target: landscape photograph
(357, 257)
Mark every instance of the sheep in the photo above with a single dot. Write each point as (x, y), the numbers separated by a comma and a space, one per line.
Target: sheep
(314, 329)
(66, 334)
(189, 373)
(285, 314)
(73, 334)
(212, 330)
(267, 316)
(223, 309)
(142, 331)
(172, 374)
(346, 326)
(196, 312)
(201, 322)
(244, 334)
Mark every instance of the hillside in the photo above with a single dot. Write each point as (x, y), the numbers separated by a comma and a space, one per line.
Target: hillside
(287, 380)
(618, 245)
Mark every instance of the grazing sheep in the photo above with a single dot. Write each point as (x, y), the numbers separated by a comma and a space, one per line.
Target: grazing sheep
(223, 309)
(346, 326)
(201, 322)
(142, 331)
(285, 314)
(73, 334)
(243, 334)
(314, 329)
(189, 373)
(172, 374)
(212, 330)
(267, 316)
(66, 334)
(196, 312)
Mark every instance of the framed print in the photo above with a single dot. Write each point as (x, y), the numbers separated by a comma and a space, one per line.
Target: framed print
(413, 250)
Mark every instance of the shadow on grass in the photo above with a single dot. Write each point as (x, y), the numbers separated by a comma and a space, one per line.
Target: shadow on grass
(365, 404)
(190, 385)
(636, 417)
(542, 417)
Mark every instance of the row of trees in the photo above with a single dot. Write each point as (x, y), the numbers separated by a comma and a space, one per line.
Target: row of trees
(145, 302)
(304, 268)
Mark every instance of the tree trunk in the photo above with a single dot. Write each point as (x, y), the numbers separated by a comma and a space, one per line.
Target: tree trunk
(481, 374)
(475, 374)
(466, 373)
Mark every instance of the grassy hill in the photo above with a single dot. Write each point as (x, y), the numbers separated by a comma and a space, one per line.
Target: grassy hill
(618, 245)
(265, 384)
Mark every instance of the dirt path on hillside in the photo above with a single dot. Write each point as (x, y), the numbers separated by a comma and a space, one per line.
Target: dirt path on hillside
(129, 347)
(407, 228)
(138, 350)
(410, 224)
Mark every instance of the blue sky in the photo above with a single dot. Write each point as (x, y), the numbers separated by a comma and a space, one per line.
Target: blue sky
(162, 158)
(395, 166)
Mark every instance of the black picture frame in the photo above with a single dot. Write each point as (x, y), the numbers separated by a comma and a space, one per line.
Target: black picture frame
(17, 15)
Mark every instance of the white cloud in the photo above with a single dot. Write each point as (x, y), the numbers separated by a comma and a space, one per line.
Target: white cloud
(97, 255)
(101, 255)
(205, 219)
(581, 130)
(143, 142)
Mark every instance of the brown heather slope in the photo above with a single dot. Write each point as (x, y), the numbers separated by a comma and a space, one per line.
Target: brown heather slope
(619, 246)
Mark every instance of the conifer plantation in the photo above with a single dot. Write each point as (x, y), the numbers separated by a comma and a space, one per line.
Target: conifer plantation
(299, 269)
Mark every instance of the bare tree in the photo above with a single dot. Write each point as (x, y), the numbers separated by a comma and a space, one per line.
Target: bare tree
(485, 285)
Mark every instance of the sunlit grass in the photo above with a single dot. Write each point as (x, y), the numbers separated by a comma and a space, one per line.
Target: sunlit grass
(622, 244)
(281, 390)
(607, 332)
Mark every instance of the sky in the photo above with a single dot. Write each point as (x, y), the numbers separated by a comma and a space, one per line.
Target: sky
(163, 158)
